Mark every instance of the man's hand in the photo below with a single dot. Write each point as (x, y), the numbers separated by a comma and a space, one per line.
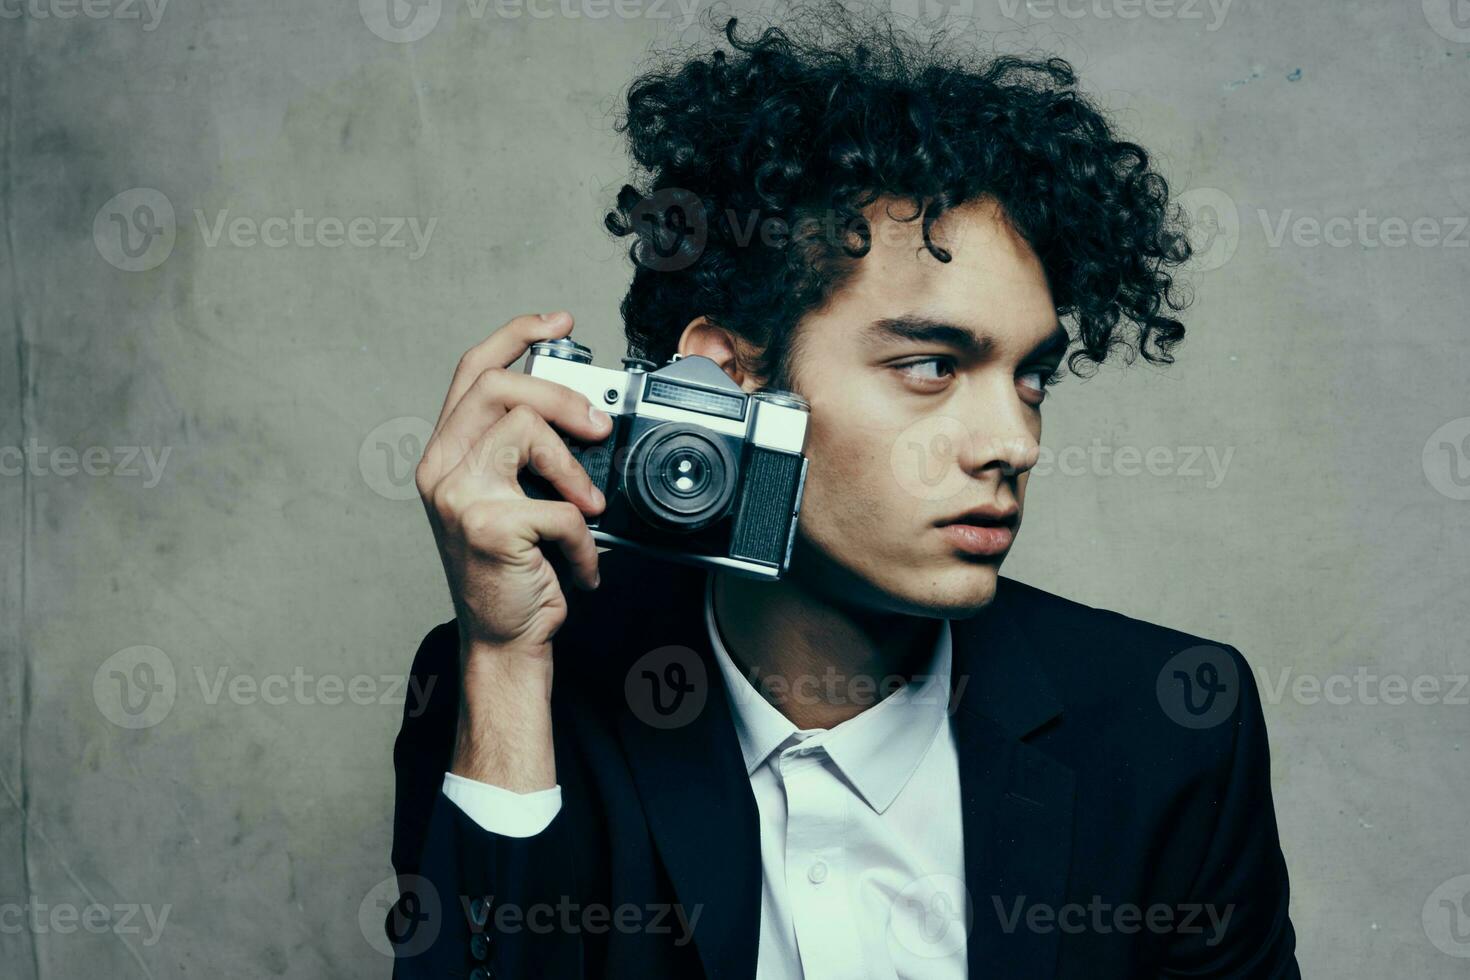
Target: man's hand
(506, 595)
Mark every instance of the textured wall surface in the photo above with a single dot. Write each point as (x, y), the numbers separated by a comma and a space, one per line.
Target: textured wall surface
(214, 574)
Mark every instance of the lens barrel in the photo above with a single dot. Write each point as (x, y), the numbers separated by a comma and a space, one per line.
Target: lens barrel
(680, 477)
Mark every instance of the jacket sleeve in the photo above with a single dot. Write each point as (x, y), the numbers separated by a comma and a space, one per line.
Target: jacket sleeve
(472, 903)
(1242, 888)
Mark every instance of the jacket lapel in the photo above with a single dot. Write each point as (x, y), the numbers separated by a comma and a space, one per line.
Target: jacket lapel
(1018, 801)
(691, 777)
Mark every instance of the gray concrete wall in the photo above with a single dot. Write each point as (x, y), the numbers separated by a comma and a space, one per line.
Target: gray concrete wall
(172, 626)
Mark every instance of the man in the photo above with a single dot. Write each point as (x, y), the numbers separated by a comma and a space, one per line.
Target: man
(893, 762)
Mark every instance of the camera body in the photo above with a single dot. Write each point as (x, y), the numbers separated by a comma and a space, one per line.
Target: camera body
(695, 470)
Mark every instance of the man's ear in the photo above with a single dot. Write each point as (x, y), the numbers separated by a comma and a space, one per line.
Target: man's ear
(732, 354)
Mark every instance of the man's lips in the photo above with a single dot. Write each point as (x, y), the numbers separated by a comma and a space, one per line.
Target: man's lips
(987, 515)
(979, 539)
(987, 530)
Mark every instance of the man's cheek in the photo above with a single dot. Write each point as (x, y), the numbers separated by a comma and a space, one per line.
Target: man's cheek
(848, 475)
(864, 493)
(827, 499)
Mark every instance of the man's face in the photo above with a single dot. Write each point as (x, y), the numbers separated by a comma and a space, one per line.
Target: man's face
(926, 382)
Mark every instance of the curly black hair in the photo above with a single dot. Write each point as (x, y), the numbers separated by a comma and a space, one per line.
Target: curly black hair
(800, 133)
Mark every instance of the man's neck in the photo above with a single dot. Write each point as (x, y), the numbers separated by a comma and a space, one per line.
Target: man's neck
(819, 661)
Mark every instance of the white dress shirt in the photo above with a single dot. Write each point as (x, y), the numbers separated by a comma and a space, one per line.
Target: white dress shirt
(862, 850)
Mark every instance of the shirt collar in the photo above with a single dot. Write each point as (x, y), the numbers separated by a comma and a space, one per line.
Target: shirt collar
(877, 750)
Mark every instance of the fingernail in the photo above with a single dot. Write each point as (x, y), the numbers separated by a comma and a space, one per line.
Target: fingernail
(596, 579)
(552, 317)
(598, 498)
(597, 415)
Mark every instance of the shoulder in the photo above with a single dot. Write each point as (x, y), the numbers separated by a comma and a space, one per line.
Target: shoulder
(1133, 687)
(1076, 619)
(1096, 652)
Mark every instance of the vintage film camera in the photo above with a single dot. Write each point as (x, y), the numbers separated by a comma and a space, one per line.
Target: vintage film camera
(695, 470)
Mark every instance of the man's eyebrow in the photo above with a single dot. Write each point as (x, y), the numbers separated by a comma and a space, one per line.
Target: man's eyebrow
(922, 329)
(1055, 344)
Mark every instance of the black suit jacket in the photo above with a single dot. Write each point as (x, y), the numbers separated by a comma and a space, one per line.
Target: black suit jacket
(1115, 779)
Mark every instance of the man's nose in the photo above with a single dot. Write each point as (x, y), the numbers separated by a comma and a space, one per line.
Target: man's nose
(1003, 433)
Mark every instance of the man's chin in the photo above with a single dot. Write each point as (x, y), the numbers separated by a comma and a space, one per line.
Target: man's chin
(949, 597)
(958, 593)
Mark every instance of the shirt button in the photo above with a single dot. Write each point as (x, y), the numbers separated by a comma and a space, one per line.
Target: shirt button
(817, 873)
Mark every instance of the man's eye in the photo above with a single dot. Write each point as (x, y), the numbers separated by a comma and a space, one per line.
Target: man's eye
(1041, 379)
(927, 368)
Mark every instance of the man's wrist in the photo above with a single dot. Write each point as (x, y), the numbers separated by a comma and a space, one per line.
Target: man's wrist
(504, 731)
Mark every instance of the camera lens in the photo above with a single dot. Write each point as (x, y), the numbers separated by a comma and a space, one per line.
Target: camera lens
(681, 478)
(684, 473)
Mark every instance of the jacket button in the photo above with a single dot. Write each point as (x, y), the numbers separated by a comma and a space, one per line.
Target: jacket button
(480, 946)
(480, 973)
(479, 911)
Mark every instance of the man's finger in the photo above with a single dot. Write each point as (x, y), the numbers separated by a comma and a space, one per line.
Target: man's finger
(488, 400)
(491, 468)
(501, 349)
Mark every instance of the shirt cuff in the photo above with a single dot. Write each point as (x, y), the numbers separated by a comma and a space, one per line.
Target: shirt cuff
(501, 811)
